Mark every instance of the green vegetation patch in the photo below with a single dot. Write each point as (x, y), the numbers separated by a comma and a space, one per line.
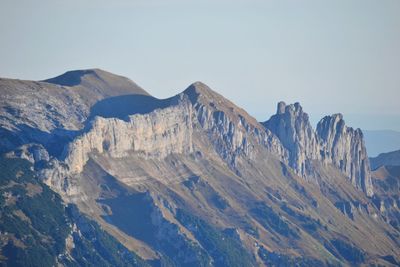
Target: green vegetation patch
(34, 226)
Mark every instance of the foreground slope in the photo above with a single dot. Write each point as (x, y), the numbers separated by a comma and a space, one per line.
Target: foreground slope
(195, 180)
(38, 230)
(386, 179)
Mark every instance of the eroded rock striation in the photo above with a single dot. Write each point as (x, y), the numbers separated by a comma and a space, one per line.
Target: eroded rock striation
(231, 130)
(332, 143)
(157, 134)
(233, 133)
(168, 127)
(194, 178)
(170, 130)
(344, 147)
(292, 126)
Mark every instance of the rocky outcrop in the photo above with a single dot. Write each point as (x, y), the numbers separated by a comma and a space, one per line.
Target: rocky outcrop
(170, 130)
(166, 127)
(34, 153)
(157, 134)
(231, 130)
(292, 126)
(332, 143)
(52, 112)
(386, 181)
(171, 178)
(233, 133)
(344, 147)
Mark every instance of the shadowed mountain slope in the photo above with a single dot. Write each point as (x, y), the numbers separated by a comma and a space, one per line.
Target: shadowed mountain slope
(52, 112)
(386, 159)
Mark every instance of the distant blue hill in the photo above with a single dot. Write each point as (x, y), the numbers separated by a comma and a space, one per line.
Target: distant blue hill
(381, 141)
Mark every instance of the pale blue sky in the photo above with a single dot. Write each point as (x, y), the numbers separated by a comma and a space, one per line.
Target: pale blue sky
(331, 56)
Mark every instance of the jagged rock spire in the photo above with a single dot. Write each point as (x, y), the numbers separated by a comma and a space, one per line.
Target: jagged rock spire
(333, 142)
(344, 147)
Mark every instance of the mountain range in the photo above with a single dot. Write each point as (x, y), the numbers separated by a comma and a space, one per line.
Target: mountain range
(382, 141)
(191, 180)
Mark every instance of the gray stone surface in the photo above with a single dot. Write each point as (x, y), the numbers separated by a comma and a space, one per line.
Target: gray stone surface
(332, 143)
(72, 115)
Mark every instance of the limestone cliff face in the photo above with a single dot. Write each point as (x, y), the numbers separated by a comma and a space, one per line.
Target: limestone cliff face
(294, 130)
(51, 112)
(333, 142)
(232, 131)
(170, 130)
(156, 134)
(344, 147)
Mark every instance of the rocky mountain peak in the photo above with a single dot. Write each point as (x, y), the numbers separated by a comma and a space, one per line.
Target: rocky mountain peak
(75, 77)
(292, 126)
(200, 92)
(332, 142)
(344, 147)
(292, 108)
(167, 166)
(334, 121)
(98, 81)
(281, 107)
(232, 131)
(198, 87)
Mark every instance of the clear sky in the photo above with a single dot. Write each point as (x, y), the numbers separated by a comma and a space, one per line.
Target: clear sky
(331, 56)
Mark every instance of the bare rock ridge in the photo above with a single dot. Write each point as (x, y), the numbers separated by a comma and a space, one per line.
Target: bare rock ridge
(195, 179)
(156, 134)
(344, 147)
(232, 131)
(332, 143)
(87, 111)
(52, 112)
(100, 81)
(169, 128)
(292, 126)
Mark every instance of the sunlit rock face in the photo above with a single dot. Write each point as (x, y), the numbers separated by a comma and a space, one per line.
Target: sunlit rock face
(332, 142)
(168, 176)
(169, 130)
(231, 130)
(344, 147)
(157, 134)
(292, 126)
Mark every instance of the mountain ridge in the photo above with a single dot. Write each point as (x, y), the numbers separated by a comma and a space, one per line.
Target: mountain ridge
(331, 142)
(196, 179)
(386, 159)
(90, 77)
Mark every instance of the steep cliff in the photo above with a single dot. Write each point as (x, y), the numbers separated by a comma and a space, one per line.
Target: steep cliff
(195, 179)
(292, 126)
(157, 134)
(52, 112)
(232, 131)
(333, 143)
(168, 127)
(344, 147)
